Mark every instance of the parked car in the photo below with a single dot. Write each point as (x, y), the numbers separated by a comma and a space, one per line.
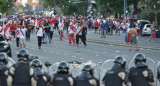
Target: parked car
(146, 30)
(5, 46)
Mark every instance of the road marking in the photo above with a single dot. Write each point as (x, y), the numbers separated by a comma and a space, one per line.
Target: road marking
(117, 51)
(97, 55)
(65, 54)
(73, 56)
(81, 58)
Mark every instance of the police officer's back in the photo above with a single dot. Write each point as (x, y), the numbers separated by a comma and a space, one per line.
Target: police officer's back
(62, 77)
(21, 74)
(141, 75)
(3, 69)
(86, 79)
(116, 76)
(39, 75)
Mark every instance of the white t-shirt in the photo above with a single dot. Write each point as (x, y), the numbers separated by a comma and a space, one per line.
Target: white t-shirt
(52, 26)
(59, 25)
(78, 29)
(23, 31)
(40, 31)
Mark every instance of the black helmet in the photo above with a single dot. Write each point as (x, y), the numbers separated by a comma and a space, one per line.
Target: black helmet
(140, 60)
(31, 58)
(63, 67)
(47, 64)
(36, 63)
(3, 58)
(120, 60)
(23, 54)
(88, 68)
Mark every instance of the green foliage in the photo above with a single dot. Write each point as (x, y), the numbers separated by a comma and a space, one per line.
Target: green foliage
(67, 6)
(149, 14)
(116, 5)
(5, 6)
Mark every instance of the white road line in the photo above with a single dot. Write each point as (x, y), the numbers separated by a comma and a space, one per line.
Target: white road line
(117, 51)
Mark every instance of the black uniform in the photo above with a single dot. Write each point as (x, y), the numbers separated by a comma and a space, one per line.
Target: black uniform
(39, 78)
(3, 76)
(61, 79)
(83, 79)
(111, 78)
(21, 76)
(137, 78)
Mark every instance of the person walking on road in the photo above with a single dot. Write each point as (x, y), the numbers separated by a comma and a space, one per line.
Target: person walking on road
(133, 38)
(71, 33)
(102, 29)
(47, 32)
(79, 34)
(39, 35)
(152, 32)
(61, 26)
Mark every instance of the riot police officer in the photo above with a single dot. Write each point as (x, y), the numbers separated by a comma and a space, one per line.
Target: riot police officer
(86, 78)
(40, 76)
(21, 74)
(3, 69)
(140, 75)
(62, 77)
(117, 75)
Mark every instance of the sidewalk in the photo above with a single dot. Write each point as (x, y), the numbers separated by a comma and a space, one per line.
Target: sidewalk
(120, 39)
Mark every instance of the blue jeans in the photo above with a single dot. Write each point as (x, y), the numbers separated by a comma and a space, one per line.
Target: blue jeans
(60, 34)
(47, 35)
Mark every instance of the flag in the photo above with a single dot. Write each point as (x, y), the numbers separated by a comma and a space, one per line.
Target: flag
(128, 37)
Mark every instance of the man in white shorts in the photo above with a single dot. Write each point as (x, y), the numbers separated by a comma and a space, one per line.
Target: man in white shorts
(22, 36)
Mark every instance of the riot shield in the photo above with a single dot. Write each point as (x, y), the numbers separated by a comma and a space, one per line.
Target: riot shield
(54, 68)
(150, 63)
(78, 70)
(44, 69)
(158, 73)
(106, 66)
(10, 62)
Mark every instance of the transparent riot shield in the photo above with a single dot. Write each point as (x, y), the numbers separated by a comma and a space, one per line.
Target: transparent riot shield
(10, 62)
(54, 68)
(78, 70)
(44, 68)
(158, 73)
(150, 63)
(106, 66)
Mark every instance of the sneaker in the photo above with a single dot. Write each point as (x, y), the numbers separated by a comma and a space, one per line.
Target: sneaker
(77, 45)
(39, 47)
(129, 49)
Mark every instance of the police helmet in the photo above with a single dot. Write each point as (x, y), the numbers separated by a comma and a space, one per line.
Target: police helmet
(88, 68)
(3, 58)
(47, 64)
(140, 60)
(31, 58)
(120, 60)
(63, 67)
(36, 63)
(23, 54)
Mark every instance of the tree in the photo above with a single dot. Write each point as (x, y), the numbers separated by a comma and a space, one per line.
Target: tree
(5, 6)
(115, 6)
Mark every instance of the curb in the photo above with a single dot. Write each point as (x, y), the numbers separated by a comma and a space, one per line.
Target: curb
(116, 44)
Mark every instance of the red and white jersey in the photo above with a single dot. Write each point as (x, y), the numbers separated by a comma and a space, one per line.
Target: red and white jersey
(79, 30)
(40, 31)
(71, 29)
(22, 32)
(60, 25)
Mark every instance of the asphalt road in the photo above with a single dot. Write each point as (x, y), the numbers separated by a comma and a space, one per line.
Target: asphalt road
(96, 52)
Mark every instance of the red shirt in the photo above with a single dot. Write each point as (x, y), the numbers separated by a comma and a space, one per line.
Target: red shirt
(12, 28)
(53, 21)
(96, 24)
